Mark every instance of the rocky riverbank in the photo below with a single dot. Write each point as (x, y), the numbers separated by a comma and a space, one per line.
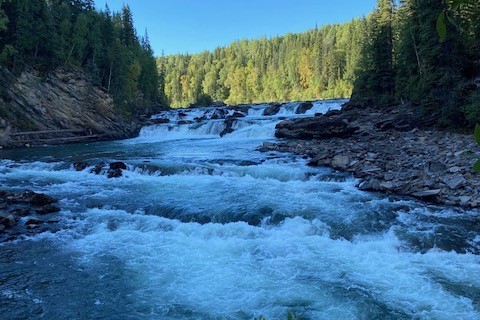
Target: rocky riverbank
(26, 213)
(388, 152)
(63, 106)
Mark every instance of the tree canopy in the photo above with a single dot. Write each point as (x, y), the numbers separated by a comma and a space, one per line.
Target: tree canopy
(47, 34)
(317, 64)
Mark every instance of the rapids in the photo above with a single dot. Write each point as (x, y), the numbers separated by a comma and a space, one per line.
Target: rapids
(204, 226)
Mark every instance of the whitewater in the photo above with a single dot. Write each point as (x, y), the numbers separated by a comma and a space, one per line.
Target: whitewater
(202, 225)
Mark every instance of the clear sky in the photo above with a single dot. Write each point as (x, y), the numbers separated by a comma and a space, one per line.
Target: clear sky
(181, 26)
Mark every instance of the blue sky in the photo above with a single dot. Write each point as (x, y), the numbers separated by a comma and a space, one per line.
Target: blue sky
(181, 26)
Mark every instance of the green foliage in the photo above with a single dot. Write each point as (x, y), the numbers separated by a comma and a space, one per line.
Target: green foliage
(403, 59)
(476, 167)
(48, 34)
(442, 26)
(317, 64)
(476, 134)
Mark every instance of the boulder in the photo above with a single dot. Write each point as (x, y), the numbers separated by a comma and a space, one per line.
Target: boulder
(40, 199)
(114, 173)
(98, 168)
(455, 182)
(118, 165)
(340, 162)
(237, 114)
(304, 107)
(80, 166)
(7, 221)
(314, 128)
(272, 109)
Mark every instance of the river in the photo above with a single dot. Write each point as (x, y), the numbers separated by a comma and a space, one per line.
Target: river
(203, 226)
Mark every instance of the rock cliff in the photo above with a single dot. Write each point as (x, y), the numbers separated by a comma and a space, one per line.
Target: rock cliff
(59, 107)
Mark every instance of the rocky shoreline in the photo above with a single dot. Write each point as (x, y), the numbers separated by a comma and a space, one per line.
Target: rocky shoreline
(388, 152)
(26, 213)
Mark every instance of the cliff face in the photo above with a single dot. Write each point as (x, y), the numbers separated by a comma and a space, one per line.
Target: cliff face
(62, 106)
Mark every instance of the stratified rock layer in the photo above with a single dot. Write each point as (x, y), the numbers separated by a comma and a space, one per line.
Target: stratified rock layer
(62, 106)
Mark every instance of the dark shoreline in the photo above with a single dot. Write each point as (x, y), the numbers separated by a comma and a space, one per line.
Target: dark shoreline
(388, 152)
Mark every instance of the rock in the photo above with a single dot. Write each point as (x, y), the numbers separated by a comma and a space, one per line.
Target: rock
(303, 107)
(114, 173)
(118, 165)
(314, 128)
(426, 193)
(21, 212)
(33, 223)
(387, 186)
(369, 185)
(80, 166)
(454, 169)
(63, 100)
(237, 115)
(242, 108)
(435, 167)
(340, 161)
(272, 109)
(98, 168)
(331, 113)
(228, 126)
(8, 221)
(464, 200)
(454, 182)
(185, 122)
(160, 120)
(40, 199)
(47, 209)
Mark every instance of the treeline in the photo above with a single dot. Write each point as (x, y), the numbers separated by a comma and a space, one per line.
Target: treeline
(320, 63)
(425, 53)
(47, 34)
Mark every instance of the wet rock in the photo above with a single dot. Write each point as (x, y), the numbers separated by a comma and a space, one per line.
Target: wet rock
(185, 122)
(8, 221)
(80, 166)
(160, 120)
(47, 209)
(40, 199)
(20, 212)
(114, 173)
(98, 168)
(272, 109)
(303, 107)
(228, 126)
(33, 223)
(118, 165)
(237, 115)
(242, 108)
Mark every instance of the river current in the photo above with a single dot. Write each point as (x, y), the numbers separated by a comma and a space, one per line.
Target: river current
(204, 226)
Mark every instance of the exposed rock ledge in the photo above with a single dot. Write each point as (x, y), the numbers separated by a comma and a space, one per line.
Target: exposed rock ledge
(60, 107)
(388, 153)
